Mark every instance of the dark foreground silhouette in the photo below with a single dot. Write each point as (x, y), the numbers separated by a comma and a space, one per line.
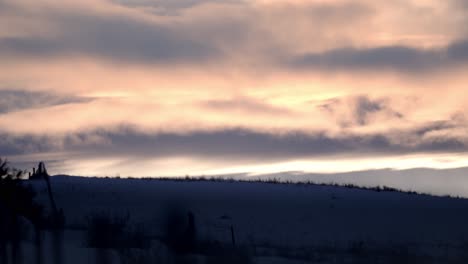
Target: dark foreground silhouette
(216, 221)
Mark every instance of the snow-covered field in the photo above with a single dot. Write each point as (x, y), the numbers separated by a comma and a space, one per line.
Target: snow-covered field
(308, 223)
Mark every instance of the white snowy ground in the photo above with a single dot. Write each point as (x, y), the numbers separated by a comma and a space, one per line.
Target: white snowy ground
(269, 217)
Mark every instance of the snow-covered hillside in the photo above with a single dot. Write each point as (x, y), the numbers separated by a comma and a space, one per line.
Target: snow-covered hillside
(267, 215)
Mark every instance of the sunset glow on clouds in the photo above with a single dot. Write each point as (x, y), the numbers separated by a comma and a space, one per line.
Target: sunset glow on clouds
(172, 87)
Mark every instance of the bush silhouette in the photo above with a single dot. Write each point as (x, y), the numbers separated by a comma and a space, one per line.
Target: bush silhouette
(180, 230)
(114, 232)
(105, 231)
(16, 201)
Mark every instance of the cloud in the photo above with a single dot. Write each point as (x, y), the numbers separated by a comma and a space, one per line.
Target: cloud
(233, 80)
(129, 151)
(17, 100)
(395, 58)
(237, 144)
(111, 38)
(22, 144)
(360, 110)
(245, 35)
(174, 7)
(245, 105)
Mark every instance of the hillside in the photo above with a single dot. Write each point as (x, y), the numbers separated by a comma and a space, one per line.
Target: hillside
(286, 218)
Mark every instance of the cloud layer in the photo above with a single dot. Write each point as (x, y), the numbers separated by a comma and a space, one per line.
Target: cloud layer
(246, 81)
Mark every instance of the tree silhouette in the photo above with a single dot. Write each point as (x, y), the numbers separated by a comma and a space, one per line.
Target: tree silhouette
(16, 200)
(57, 219)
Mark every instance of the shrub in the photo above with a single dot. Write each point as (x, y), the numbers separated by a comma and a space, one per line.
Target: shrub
(180, 230)
(106, 231)
(231, 256)
(16, 203)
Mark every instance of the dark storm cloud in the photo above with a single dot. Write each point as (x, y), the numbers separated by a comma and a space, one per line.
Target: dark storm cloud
(235, 144)
(365, 106)
(460, 4)
(458, 51)
(136, 40)
(133, 41)
(16, 100)
(230, 144)
(362, 109)
(397, 58)
(110, 38)
(162, 7)
(25, 144)
(29, 47)
(244, 144)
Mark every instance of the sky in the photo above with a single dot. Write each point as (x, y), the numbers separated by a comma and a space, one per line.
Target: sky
(202, 87)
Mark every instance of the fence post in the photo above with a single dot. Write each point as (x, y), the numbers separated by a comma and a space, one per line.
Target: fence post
(232, 236)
